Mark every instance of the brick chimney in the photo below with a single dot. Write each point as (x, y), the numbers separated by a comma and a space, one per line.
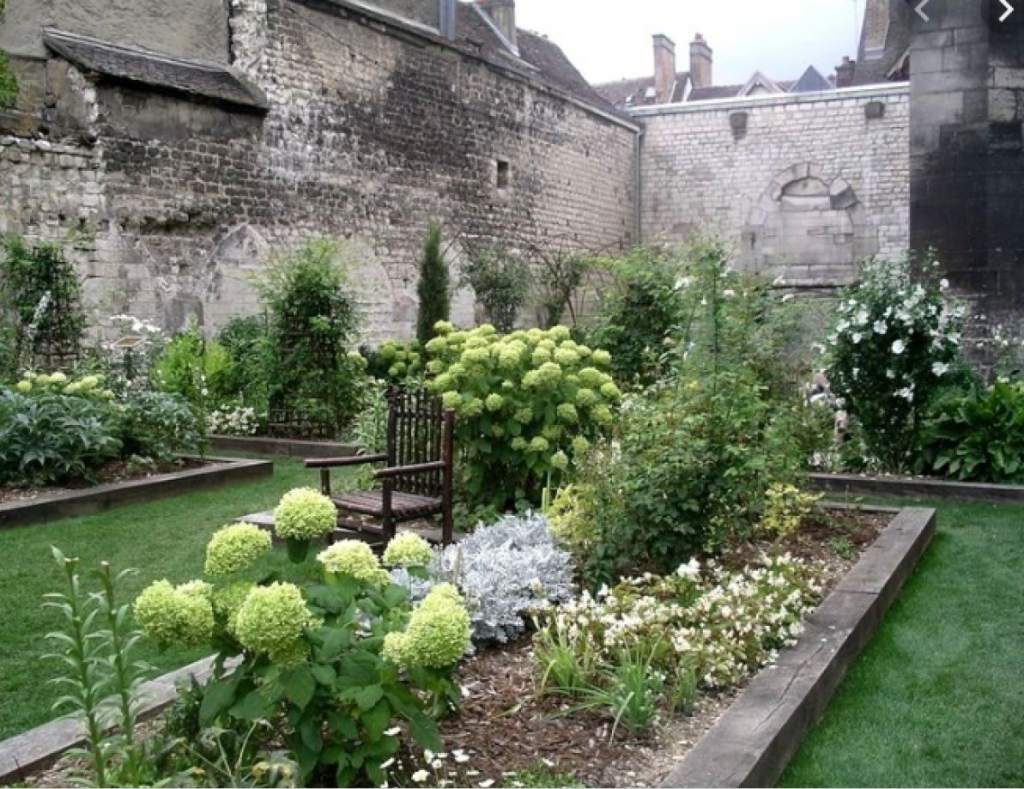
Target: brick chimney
(844, 72)
(700, 62)
(503, 14)
(664, 68)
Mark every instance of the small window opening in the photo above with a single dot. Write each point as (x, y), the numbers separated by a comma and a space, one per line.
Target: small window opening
(504, 174)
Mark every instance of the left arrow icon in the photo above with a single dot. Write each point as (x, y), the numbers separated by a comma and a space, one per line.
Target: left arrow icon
(920, 10)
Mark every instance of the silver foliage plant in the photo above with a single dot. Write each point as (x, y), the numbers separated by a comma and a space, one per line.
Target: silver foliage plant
(505, 570)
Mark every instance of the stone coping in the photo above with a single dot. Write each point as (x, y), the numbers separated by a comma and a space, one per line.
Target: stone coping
(917, 487)
(40, 747)
(263, 445)
(762, 730)
(220, 471)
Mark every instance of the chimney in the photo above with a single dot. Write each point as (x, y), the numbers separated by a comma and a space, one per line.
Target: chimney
(700, 62)
(664, 68)
(502, 14)
(844, 72)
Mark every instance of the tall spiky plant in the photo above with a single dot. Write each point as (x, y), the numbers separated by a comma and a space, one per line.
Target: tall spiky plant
(435, 300)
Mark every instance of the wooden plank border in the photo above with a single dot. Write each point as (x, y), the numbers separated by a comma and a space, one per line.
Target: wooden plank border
(917, 487)
(103, 497)
(261, 445)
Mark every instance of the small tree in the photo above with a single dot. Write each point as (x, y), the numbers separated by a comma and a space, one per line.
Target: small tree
(435, 301)
(501, 282)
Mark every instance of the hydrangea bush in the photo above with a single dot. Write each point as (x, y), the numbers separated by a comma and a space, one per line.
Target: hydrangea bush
(337, 657)
(895, 341)
(714, 623)
(528, 404)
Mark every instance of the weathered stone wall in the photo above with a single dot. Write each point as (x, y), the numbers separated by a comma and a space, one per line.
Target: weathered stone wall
(371, 133)
(802, 186)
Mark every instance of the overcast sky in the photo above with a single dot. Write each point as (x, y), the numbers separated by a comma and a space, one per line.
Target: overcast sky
(609, 39)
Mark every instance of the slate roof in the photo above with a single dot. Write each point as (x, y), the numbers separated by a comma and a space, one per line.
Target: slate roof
(874, 66)
(622, 92)
(810, 82)
(193, 77)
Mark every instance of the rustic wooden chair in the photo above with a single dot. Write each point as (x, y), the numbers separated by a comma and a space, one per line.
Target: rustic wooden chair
(417, 480)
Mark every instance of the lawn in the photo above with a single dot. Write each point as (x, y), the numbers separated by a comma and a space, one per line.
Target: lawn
(162, 539)
(937, 699)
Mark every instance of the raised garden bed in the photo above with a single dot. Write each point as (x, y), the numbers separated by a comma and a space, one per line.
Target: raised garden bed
(916, 487)
(263, 445)
(203, 472)
(741, 737)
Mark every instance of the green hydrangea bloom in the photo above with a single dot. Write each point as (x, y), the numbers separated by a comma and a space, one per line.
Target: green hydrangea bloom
(550, 373)
(586, 397)
(539, 444)
(559, 332)
(355, 559)
(591, 377)
(524, 415)
(611, 391)
(234, 548)
(560, 461)
(175, 615)
(519, 443)
(227, 601)
(580, 445)
(567, 357)
(442, 328)
(24, 387)
(539, 356)
(408, 550)
(451, 399)
(388, 351)
(473, 406)
(494, 402)
(601, 357)
(552, 432)
(435, 366)
(444, 383)
(438, 634)
(304, 514)
(532, 379)
(475, 356)
(602, 414)
(437, 345)
(567, 413)
(272, 619)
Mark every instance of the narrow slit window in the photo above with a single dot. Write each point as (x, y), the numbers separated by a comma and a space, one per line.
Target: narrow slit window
(504, 174)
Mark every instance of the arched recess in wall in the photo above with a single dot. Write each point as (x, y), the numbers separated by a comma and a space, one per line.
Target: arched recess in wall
(808, 227)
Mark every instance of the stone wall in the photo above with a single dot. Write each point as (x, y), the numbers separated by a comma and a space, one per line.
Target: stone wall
(801, 186)
(372, 132)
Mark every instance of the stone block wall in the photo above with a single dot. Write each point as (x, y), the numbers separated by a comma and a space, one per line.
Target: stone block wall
(372, 132)
(801, 186)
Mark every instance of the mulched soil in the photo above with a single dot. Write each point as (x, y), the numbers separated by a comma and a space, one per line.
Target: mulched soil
(117, 471)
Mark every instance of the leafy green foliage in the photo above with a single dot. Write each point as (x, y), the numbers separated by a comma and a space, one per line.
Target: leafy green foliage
(501, 281)
(40, 291)
(198, 370)
(433, 287)
(8, 82)
(894, 342)
(246, 341)
(159, 426)
(976, 434)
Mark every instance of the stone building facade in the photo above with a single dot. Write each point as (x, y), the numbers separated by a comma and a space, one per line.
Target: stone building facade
(178, 176)
(802, 185)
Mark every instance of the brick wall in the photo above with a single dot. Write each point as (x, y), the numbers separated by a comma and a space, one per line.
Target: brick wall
(372, 132)
(800, 186)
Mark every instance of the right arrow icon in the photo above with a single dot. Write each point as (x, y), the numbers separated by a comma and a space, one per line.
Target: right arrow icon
(1009, 10)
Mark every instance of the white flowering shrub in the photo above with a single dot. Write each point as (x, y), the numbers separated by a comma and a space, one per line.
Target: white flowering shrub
(715, 623)
(896, 338)
(233, 421)
(506, 571)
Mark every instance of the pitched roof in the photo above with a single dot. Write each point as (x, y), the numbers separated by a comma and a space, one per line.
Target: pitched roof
(884, 42)
(811, 82)
(132, 64)
(715, 92)
(633, 92)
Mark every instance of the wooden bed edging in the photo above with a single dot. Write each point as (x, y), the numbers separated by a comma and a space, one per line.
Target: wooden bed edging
(762, 730)
(917, 487)
(103, 497)
(262, 445)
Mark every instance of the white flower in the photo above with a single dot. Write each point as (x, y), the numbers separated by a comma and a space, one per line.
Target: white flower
(907, 393)
(690, 570)
(856, 337)
(890, 374)
(386, 764)
(420, 776)
(898, 347)
(393, 731)
(486, 784)
(728, 293)
(940, 369)
(880, 327)
(787, 297)
(779, 281)
(944, 284)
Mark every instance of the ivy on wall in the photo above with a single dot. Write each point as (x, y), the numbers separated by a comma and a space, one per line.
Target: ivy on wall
(8, 82)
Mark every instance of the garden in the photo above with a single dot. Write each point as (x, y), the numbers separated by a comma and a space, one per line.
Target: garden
(636, 537)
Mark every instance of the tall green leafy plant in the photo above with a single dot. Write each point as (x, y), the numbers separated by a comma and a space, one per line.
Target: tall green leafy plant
(433, 287)
(501, 281)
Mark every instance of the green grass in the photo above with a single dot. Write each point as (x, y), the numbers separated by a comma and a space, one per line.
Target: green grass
(162, 539)
(937, 699)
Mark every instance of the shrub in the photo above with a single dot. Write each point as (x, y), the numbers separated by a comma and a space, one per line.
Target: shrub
(527, 403)
(48, 436)
(435, 301)
(396, 362)
(159, 426)
(197, 370)
(246, 341)
(313, 321)
(977, 434)
(893, 345)
(501, 282)
(335, 661)
(233, 421)
(786, 509)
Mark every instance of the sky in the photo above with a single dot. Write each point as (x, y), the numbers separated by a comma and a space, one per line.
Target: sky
(609, 40)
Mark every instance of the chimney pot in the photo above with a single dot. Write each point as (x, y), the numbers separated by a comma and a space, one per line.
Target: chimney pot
(701, 62)
(664, 68)
(845, 72)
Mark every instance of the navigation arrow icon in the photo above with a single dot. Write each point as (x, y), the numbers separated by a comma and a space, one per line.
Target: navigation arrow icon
(920, 9)
(1009, 10)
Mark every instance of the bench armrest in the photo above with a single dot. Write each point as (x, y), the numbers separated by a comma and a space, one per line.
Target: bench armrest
(422, 468)
(355, 460)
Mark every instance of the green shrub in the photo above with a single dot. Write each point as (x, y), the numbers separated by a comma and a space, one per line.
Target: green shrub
(397, 362)
(433, 287)
(198, 370)
(159, 426)
(528, 403)
(893, 345)
(977, 434)
(336, 661)
(501, 282)
(247, 344)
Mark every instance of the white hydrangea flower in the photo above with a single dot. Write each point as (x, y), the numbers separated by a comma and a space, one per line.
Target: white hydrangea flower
(899, 347)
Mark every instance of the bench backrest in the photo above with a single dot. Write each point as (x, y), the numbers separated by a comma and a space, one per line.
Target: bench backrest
(419, 431)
